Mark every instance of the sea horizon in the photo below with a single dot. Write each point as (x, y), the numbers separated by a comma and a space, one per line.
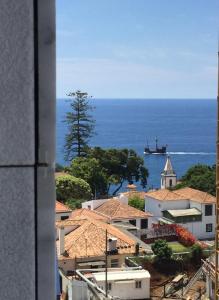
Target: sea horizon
(187, 126)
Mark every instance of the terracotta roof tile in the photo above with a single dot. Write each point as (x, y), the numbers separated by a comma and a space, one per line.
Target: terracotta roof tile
(130, 194)
(60, 207)
(165, 195)
(84, 213)
(88, 239)
(115, 209)
(196, 195)
(182, 194)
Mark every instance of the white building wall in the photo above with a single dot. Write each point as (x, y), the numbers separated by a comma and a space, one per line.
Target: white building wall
(165, 181)
(127, 290)
(92, 204)
(123, 198)
(198, 229)
(156, 207)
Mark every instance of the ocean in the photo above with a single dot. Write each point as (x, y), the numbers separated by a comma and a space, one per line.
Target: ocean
(187, 126)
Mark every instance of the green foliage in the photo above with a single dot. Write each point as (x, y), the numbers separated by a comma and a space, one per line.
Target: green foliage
(200, 177)
(90, 170)
(74, 203)
(69, 187)
(136, 202)
(80, 126)
(120, 165)
(162, 250)
(196, 254)
(102, 168)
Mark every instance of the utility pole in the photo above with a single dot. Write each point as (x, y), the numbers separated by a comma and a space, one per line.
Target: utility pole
(217, 198)
(106, 267)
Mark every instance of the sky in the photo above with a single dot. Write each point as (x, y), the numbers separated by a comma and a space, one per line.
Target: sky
(137, 48)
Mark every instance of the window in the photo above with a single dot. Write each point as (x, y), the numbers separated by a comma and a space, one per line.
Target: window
(109, 286)
(114, 263)
(64, 217)
(209, 227)
(171, 182)
(133, 222)
(138, 284)
(208, 210)
(144, 223)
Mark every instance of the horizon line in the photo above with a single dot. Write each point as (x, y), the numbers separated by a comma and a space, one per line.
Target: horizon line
(119, 98)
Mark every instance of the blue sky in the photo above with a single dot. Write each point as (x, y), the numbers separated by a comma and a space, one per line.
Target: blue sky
(138, 48)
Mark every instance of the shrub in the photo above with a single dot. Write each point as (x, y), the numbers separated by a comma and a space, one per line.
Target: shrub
(184, 236)
(69, 187)
(137, 202)
(196, 254)
(162, 250)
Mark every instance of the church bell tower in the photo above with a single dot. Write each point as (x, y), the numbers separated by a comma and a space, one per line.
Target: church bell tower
(168, 176)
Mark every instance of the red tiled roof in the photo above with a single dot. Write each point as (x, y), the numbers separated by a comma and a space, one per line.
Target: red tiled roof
(116, 210)
(89, 239)
(84, 213)
(182, 194)
(60, 207)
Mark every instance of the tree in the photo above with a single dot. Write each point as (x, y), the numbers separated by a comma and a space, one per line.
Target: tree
(196, 254)
(104, 168)
(69, 187)
(162, 250)
(80, 126)
(92, 172)
(120, 165)
(136, 202)
(200, 177)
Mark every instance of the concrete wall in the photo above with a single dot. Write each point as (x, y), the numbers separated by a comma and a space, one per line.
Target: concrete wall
(27, 149)
(156, 207)
(165, 181)
(127, 289)
(200, 229)
(92, 204)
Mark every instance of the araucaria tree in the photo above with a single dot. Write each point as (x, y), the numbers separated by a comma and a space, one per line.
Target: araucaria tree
(80, 126)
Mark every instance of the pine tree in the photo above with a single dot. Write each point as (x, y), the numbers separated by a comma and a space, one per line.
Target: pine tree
(80, 126)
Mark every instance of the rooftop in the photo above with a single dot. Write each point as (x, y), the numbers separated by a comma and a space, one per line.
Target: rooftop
(88, 239)
(60, 207)
(84, 213)
(117, 210)
(132, 193)
(182, 194)
(122, 275)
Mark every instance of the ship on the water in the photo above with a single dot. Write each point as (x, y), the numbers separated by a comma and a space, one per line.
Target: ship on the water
(157, 150)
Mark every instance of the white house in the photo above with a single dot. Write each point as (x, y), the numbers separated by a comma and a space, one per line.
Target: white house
(125, 284)
(117, 210)
(193, 209)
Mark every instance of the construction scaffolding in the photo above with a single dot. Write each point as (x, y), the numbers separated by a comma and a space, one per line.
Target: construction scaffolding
(217, 200)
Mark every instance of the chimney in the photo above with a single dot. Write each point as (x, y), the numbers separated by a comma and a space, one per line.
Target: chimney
(61, 240)
(137, 246)
(112, 245)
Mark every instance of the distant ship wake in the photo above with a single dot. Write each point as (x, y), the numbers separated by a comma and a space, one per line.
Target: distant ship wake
(191, 153)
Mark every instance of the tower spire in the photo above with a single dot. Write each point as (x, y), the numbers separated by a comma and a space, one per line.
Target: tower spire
(168, 176)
